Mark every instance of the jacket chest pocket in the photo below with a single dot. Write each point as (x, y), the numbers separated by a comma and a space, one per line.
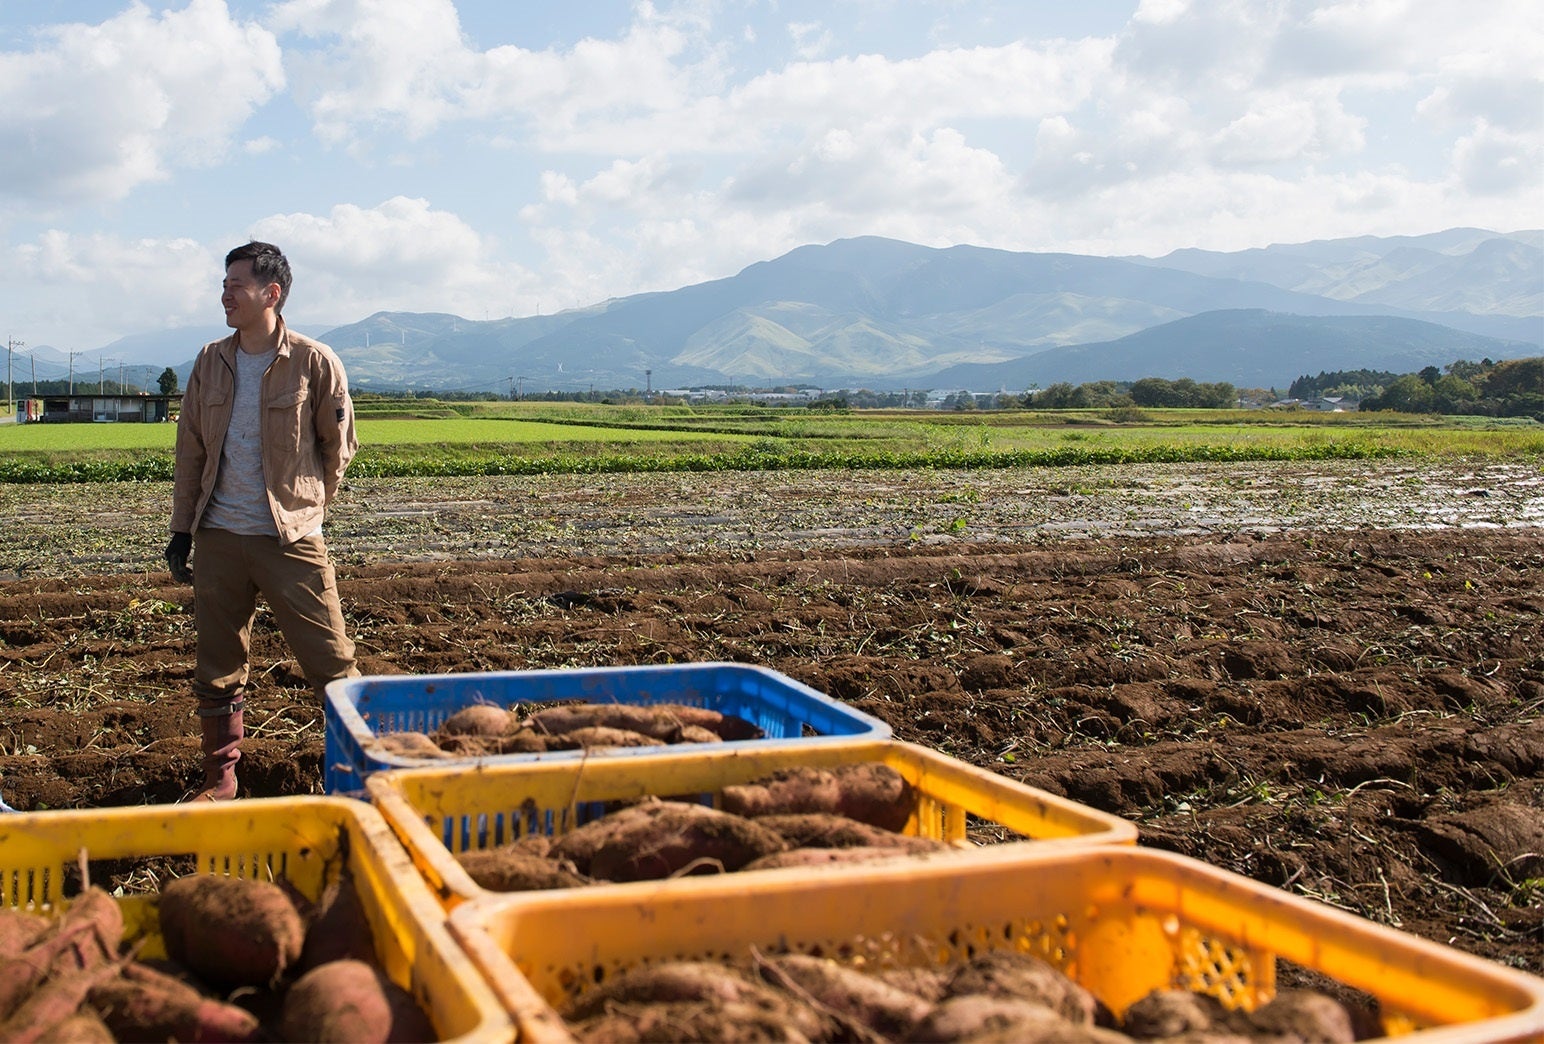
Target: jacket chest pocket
(214, 409)
(285, 416)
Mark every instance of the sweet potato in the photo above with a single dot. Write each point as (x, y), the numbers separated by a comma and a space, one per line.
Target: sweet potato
(663, 721)
(19, 929)
(555, 721)
(689, 1022)
(94, 914)
(704, 983)
(868, 792)
(84, 1028)
(1022, 976)
(818, 857)
(511, 868)
(681, 838)
(851, 995)
(998, 1019)
(480, 719)
(522, 741)
(591, 736)
(729, 727)
(337, 928)
(1304, 1015)
(146, 1004)
(409, 745)
(930, 983)
(825, 830)
(52, 1003)
(474, 746)
(351, 1001)
(1171, 1013)
(579, 845)
(86, 936)
(231, 931)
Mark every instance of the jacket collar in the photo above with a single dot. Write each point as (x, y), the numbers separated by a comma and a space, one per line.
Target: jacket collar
(234, 341)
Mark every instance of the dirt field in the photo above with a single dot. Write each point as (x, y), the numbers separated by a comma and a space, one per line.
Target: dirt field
(1328, 678)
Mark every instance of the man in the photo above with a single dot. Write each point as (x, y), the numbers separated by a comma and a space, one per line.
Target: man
(265, 434)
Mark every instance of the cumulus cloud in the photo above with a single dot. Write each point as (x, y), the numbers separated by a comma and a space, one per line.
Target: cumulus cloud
(1284, 126)
(810, 39)
(355, 260)
(129, 284)
(406, 64)
(384, 59)
(1495, 162)
(99, 110)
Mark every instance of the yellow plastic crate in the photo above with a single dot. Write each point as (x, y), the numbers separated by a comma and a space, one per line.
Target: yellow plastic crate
(1121, 921)
(440, 812)
(306, 840)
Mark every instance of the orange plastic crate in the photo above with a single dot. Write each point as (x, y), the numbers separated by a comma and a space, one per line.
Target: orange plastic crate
(1121, 921)
(308, 841)
(440, 812)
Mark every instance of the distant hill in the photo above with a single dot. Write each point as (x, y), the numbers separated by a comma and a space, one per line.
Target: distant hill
(878, 313)
(1244, 347)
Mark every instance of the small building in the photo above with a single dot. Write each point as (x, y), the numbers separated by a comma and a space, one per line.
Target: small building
(101, 409)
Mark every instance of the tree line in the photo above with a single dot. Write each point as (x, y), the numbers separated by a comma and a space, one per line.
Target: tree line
(1513, 388)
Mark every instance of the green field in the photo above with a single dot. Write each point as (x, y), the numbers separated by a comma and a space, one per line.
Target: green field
(511, 438)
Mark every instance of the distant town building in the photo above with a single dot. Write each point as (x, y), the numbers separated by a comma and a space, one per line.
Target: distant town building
(86, 409)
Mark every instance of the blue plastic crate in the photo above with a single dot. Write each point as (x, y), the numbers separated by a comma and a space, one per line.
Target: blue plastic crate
(359, 710)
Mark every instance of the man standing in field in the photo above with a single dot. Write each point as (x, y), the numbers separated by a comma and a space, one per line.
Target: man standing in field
(265, 434)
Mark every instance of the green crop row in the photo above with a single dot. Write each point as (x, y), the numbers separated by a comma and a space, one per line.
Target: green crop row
(390, 465)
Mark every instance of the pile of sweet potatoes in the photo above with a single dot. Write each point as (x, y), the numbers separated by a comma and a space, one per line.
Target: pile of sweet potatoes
(803, 816)
(247, 960)
(486, 729)
(999, 995)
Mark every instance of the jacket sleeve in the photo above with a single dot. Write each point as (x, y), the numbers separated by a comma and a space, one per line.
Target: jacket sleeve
(333, 415)
(191, 454)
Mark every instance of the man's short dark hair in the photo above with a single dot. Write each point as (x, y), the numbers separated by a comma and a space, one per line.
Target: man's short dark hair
(269, 265)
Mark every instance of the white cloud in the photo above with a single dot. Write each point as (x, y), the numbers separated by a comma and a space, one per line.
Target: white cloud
(810, 39)
(1495, 162)
(100, 110)
(126, 284)
(406, 64)
(1284, 126)
(387, 59)
(354, 261)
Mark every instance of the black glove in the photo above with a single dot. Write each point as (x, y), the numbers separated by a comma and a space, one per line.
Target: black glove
(177, 552)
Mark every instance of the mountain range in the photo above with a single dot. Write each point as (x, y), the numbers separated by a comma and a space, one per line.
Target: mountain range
(885, 315)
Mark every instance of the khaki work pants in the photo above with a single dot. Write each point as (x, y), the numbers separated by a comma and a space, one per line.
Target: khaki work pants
(298, 582)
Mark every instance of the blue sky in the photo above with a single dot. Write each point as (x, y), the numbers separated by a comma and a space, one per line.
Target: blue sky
(506, 157)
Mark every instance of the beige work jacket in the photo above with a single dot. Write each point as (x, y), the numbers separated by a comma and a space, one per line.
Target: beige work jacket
(307, 426)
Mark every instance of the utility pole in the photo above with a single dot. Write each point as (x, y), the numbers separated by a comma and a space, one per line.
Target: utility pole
(72, 371)
(11, 344)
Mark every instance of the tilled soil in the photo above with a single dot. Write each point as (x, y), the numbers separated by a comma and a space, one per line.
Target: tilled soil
(1328, 678)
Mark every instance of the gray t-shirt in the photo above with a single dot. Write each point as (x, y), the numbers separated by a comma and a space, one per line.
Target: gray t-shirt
(239, 503)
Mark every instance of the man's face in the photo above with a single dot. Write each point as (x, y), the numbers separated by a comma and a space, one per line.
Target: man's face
(244, 297)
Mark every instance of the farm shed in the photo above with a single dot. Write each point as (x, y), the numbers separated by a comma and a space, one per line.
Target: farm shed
(81, 409)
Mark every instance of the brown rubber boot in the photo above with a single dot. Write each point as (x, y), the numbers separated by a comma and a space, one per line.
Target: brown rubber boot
(221, 721)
